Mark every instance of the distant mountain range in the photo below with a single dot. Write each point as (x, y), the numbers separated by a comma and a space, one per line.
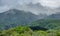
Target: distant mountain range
(54, 16)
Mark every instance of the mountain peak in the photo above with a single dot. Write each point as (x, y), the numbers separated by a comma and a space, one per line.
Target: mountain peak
(13, 11)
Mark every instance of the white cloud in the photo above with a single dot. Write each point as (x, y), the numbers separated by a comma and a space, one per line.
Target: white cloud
(47, 3)
(50, 3)
(8, 4)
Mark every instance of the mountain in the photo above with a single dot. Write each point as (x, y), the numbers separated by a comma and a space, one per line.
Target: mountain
(14, 17)
(54, 16)
(42, 16)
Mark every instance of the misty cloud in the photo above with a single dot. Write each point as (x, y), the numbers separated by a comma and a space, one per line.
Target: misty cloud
(4, 8)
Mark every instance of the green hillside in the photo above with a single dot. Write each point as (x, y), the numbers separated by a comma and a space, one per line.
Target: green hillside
(47, 23)
(26, 31)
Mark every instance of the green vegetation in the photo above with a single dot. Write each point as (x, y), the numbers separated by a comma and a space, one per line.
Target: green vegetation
(26, 31)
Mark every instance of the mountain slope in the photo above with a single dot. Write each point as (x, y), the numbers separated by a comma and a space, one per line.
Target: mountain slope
(16, 17)
(47, 23)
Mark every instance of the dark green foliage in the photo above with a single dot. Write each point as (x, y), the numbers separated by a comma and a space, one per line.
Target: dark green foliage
(34, 28)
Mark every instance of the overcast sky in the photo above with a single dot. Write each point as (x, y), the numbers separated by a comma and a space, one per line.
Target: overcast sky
(8, 4)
